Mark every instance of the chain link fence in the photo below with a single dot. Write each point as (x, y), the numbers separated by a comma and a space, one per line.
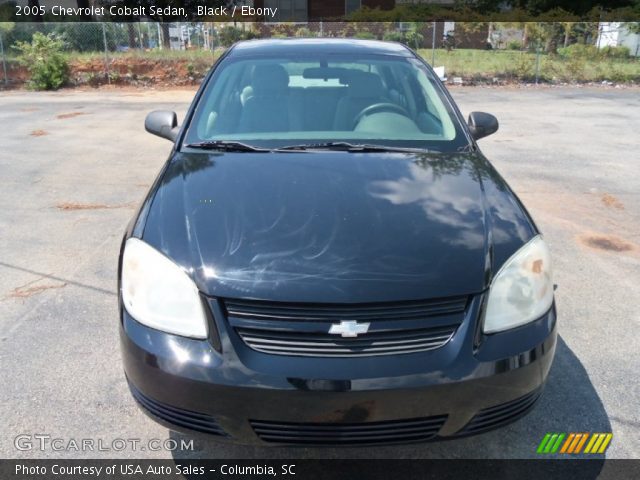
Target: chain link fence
(98, 51)
(88, 42)
(151, 53)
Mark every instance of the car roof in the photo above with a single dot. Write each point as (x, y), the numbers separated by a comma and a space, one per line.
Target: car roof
(278, 46)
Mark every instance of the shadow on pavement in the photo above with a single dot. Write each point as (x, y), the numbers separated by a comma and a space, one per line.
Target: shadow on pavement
(569, 403)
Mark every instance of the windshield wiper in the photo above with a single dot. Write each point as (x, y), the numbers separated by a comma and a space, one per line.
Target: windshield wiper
(227, 146)
(231, 146)
(351, 147)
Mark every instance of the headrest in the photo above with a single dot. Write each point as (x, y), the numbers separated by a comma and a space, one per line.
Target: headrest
(365, 84)
(269, 79)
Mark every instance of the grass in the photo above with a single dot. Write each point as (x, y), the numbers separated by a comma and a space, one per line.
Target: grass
(190, 56)
(472, 65)
(468, 63)
(156, 55)
(481, 65)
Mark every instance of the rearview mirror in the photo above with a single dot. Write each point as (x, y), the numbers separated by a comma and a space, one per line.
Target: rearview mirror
(163, 124)
(482, 124)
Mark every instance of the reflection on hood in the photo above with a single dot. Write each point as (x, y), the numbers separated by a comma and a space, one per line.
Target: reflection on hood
(335, 226)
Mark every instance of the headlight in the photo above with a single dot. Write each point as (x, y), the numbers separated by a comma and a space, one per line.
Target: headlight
(158, 293)
(522, 291)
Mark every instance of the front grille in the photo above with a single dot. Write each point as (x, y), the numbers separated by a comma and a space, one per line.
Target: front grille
(301, 329)
(316, 344)
(494, 417)
(395, 431)
(328, 312)
(200, 422)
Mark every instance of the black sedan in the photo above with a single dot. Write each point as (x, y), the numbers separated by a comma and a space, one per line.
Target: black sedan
(327, 258)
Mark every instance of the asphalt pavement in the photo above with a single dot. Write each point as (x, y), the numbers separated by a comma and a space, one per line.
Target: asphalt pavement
(74, 164)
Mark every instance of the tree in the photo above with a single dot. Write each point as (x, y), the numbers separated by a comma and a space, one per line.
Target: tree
(131, 33)
(35, 7)
(44, 59)
(567, 27)
(577, 7)
(7, 11)
(166, 40)
(6, 27)
(536, 34)
(84, 4)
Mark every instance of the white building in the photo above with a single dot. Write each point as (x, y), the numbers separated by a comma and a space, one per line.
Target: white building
(616, 34)
(178, 36)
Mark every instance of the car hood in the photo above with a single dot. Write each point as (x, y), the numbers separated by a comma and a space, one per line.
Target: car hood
(335, 226)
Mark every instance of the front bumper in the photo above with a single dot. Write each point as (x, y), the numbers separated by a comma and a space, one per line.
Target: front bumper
(470, 385)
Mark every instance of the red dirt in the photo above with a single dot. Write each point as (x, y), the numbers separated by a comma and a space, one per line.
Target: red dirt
(25, 291)
(123, 71)
(70, 115)
(611, 201)
(607, 242)
(129, 71)
(89, 206)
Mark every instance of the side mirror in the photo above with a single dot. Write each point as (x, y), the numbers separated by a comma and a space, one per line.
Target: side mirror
(163, 124)
(482, 124)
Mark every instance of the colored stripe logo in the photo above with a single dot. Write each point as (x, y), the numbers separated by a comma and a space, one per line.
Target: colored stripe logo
(594, 443)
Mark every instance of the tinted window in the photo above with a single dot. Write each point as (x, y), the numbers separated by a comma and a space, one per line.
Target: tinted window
(379, 99)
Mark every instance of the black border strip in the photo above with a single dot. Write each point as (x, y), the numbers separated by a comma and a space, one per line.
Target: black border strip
(371, 11)
(321, 469)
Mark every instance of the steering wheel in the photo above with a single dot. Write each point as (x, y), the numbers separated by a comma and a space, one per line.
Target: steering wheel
(380, 107)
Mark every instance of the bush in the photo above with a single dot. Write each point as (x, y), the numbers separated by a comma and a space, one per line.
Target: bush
(249, 35)
(619, 76)
(514, 45)
(229, 35)
(523, 67)
(304, 32)
(364, 35)
(45, 61)
(613, 72)
(578, 50)
(615, 52)
(414, 39)
(575, 69)
(393, 36)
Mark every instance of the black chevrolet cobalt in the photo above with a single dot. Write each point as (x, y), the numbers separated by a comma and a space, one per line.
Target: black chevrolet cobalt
(326, 258)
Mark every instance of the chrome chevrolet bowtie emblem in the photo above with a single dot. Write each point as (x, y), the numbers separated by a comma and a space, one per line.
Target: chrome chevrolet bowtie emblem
(349, 328)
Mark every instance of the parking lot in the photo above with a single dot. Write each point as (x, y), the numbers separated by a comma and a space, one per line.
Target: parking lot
(74, 165)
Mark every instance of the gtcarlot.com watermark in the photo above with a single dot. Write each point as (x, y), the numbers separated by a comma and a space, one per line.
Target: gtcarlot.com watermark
(45, 442)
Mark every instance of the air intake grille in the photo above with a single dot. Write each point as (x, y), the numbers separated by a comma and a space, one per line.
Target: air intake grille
(183, 418)
(397, 431)
(494, 417)
(316, 344)
(326, 312)
(302, 329)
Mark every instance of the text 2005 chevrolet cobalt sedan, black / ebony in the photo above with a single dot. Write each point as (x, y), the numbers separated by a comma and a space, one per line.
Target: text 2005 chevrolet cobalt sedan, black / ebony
(326, 258)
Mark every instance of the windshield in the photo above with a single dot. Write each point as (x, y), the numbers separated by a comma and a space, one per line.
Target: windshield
(366, 99)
